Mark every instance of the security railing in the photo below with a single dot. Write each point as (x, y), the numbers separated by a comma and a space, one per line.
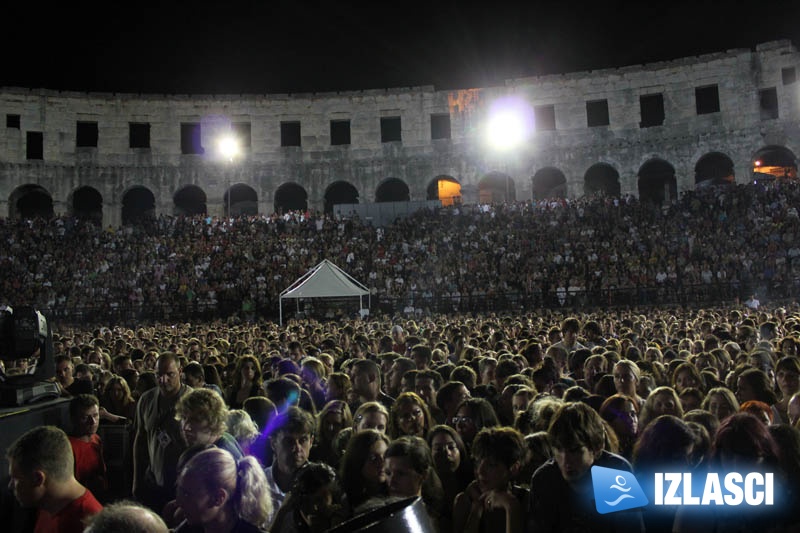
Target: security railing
(694, 295)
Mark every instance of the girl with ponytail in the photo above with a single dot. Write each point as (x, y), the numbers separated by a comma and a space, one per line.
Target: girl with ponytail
(218, 494)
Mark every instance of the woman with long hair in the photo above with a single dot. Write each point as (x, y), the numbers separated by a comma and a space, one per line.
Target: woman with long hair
(622, 413)
(451, 461)
(662, 401)
(219, 494)
(409, 416)
(116, 401)
(721, 402)
(246, 382)
(472, 415)
(334, 417)
(361, 471)
(787, 379)
(666, 443)
(743, 443)
(626, 380)
(754, 384)
(686, 376)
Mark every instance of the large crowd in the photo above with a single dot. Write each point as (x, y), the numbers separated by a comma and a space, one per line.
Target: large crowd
(743, 239)
(486, 421)
(493, 421)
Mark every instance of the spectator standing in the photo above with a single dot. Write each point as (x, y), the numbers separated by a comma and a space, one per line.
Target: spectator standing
(41, 467)
(90, 466)
(159, 441)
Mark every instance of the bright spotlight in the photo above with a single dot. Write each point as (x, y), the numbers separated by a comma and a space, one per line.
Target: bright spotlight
(229, 146)
(510, 123)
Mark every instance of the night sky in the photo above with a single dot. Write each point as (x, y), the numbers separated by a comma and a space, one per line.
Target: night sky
(282, 46)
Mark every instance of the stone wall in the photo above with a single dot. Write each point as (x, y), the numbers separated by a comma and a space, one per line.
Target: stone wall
(738, 130)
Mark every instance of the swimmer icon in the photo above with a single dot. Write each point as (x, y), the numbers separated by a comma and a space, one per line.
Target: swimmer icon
(616, 490)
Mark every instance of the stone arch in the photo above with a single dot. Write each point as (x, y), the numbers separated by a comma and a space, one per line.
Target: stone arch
(138, 204)
(549, 182)
(777, 161)
(714, 168)
(190, 200)
(240, 200)
(601, 178)
(657, 182)
(392, 190)
(446, 189)
(496, 187)
(340, 192)
(86, 203)
(30, 201)
(290, 197)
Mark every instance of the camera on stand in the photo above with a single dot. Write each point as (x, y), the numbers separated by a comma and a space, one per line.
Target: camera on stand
(26, 342)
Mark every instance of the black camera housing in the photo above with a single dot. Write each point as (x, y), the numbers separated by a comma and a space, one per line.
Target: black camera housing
(26, 334)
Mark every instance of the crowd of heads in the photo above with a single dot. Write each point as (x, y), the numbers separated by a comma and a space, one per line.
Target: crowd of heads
(305, 425)
(743, 237)
(474, 405)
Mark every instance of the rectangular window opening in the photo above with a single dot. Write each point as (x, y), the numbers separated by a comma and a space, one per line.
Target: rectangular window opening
(545, 117)
(768, 103)
(789, 75)
(391, 130)
(597, 113)
(242, 132)
(290, 133)
(440, 126)
(12, 121)
(138, 135)
(340, 132)
(34, 145)
(652, 110)
(707, 99)
(86, 135)
(191, 141)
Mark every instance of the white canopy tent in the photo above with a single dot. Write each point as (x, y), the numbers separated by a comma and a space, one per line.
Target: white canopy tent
(325, 280)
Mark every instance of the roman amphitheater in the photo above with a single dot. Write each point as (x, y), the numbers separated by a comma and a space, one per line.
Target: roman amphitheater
(649, 130)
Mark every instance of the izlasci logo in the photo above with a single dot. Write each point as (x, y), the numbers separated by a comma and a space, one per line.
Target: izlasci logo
(616, 490)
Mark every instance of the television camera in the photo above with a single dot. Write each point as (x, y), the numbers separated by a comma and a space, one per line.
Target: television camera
(26, 342)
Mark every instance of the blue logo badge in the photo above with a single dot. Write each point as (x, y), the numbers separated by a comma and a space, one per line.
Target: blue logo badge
(616, 490)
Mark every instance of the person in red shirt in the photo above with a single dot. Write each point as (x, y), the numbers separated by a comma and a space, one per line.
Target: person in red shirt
(42, 466)
(90, 466)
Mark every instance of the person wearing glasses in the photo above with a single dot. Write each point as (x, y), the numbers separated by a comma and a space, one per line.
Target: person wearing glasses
(473, 415)
(362, 472)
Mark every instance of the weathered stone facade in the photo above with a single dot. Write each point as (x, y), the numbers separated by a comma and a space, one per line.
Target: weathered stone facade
(748, 120)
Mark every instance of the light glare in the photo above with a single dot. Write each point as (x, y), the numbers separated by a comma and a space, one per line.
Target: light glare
(510, 123)
(505, 131)
(229, 147)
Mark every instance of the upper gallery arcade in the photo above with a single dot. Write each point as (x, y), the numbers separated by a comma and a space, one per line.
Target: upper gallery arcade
(650, 130)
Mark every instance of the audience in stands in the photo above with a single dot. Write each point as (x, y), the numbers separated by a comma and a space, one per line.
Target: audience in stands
(408, 404)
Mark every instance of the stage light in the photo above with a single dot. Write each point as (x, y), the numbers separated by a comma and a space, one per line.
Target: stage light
(229, 147)
(510, 124)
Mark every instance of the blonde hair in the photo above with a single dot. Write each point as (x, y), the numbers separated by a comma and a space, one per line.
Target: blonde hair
(206, 405)
(242, 427)
(244, 480)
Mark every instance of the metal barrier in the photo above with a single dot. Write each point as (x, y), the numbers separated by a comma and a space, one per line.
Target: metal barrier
(118, 454)
(694, 295)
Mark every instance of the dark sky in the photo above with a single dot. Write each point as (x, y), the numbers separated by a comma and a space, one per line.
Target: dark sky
(274, 46)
